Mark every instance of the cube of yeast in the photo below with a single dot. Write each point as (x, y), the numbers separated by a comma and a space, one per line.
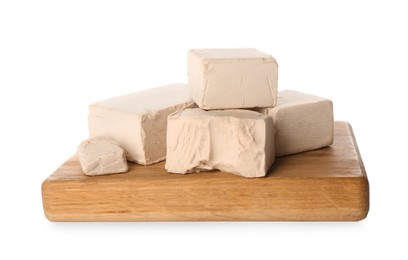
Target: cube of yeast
(138, 121)
(302, 122)
(232, 78)
(100, 155)
(235, 141)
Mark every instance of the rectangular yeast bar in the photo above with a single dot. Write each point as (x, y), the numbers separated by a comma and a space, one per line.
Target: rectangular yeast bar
(235, 141)
(302, 122)
(138, 121)
(232, 78)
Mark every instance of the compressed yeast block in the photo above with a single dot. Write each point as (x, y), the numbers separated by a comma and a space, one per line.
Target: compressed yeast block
(138, 121)
(236, 141)
(100, 155)
(232, 78)
(302, 122)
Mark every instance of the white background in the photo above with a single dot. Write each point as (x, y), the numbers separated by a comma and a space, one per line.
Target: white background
(56, 57)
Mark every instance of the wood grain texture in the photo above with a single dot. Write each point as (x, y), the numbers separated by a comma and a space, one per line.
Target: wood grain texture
(325, 184)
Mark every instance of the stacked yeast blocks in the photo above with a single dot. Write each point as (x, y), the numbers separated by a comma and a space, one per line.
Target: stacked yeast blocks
(229, 117)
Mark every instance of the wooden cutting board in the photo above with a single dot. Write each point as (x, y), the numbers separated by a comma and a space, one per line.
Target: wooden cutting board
(325, 184)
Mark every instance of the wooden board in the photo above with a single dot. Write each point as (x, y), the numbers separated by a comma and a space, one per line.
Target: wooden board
(325, 184)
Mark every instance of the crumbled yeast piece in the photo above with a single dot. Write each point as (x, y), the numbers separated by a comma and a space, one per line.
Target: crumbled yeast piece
(100, 155)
